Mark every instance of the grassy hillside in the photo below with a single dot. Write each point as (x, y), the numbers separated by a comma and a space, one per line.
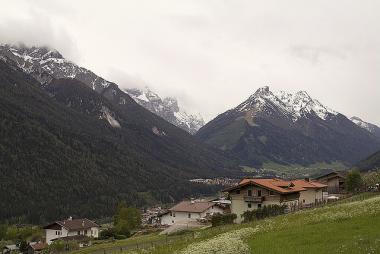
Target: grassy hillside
(370, 163)
(345, 227)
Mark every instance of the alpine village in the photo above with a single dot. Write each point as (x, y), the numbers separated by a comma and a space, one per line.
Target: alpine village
(90, 164)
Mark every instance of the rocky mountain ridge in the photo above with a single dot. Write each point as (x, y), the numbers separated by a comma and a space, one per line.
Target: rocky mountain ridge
(373, 128)
(288, 128)
(166, 108)
(44, 64)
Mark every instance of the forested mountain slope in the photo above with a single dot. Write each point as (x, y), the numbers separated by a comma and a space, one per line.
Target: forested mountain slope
(68, 150)
(370, 163)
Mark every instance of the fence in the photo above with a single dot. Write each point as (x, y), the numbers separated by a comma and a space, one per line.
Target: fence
(167, 240)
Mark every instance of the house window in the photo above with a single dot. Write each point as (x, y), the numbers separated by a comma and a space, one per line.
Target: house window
(85, 232)
(238, 192)
(189, 215)
(258, 205)
(78, 232)
(249, 193)
(271, 193)
(249, 205)
(173, 214)
(259, 193)
(303, 200)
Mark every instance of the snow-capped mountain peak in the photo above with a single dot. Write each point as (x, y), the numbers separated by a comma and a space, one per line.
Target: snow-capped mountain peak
(295, 105)
(166, 108)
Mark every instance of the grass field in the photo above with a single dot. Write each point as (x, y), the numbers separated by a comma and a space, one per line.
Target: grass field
(344, 228)
(350, 226)
(294, 170)
(347, 226)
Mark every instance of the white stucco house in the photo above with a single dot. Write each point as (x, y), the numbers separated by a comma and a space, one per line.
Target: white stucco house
(313, 193)
(71, 229)
(252, 194)
(189, 211)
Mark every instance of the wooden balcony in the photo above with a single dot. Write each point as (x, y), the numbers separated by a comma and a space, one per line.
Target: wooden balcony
(253, 199)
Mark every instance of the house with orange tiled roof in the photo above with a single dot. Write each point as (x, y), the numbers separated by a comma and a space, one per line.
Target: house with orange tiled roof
(252, 194)
(313, 193)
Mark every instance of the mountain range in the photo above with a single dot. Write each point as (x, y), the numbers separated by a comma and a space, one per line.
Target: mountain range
(73, 143)
(44, 64)
(288, 129)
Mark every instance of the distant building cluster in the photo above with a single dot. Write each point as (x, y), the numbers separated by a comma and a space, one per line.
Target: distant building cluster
(222, 181)
(150, 215)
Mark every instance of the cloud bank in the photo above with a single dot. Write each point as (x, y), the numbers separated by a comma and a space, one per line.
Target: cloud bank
(213, 54)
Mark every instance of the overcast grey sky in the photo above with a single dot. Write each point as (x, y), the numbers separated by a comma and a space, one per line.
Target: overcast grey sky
(212, 55)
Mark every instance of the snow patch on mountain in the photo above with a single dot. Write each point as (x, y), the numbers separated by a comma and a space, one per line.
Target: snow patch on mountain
(167, 108)
(374, 129)
(295, 105)
(43, 63)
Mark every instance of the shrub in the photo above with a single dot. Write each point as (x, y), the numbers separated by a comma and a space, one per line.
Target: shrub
(126, 219)
(107, 233)
(120, 237)
(264, 212)
(114, 233)
(56, 246)
(354, 181)
(222, 219)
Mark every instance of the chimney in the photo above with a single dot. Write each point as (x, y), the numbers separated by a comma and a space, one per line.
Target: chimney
(82, 223)
(70, 218)
(307, 179)
(192, 201)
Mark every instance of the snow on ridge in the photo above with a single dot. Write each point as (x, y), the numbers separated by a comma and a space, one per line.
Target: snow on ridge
(363, 124)
(166, 108)
(51, 61)
(295, 104)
